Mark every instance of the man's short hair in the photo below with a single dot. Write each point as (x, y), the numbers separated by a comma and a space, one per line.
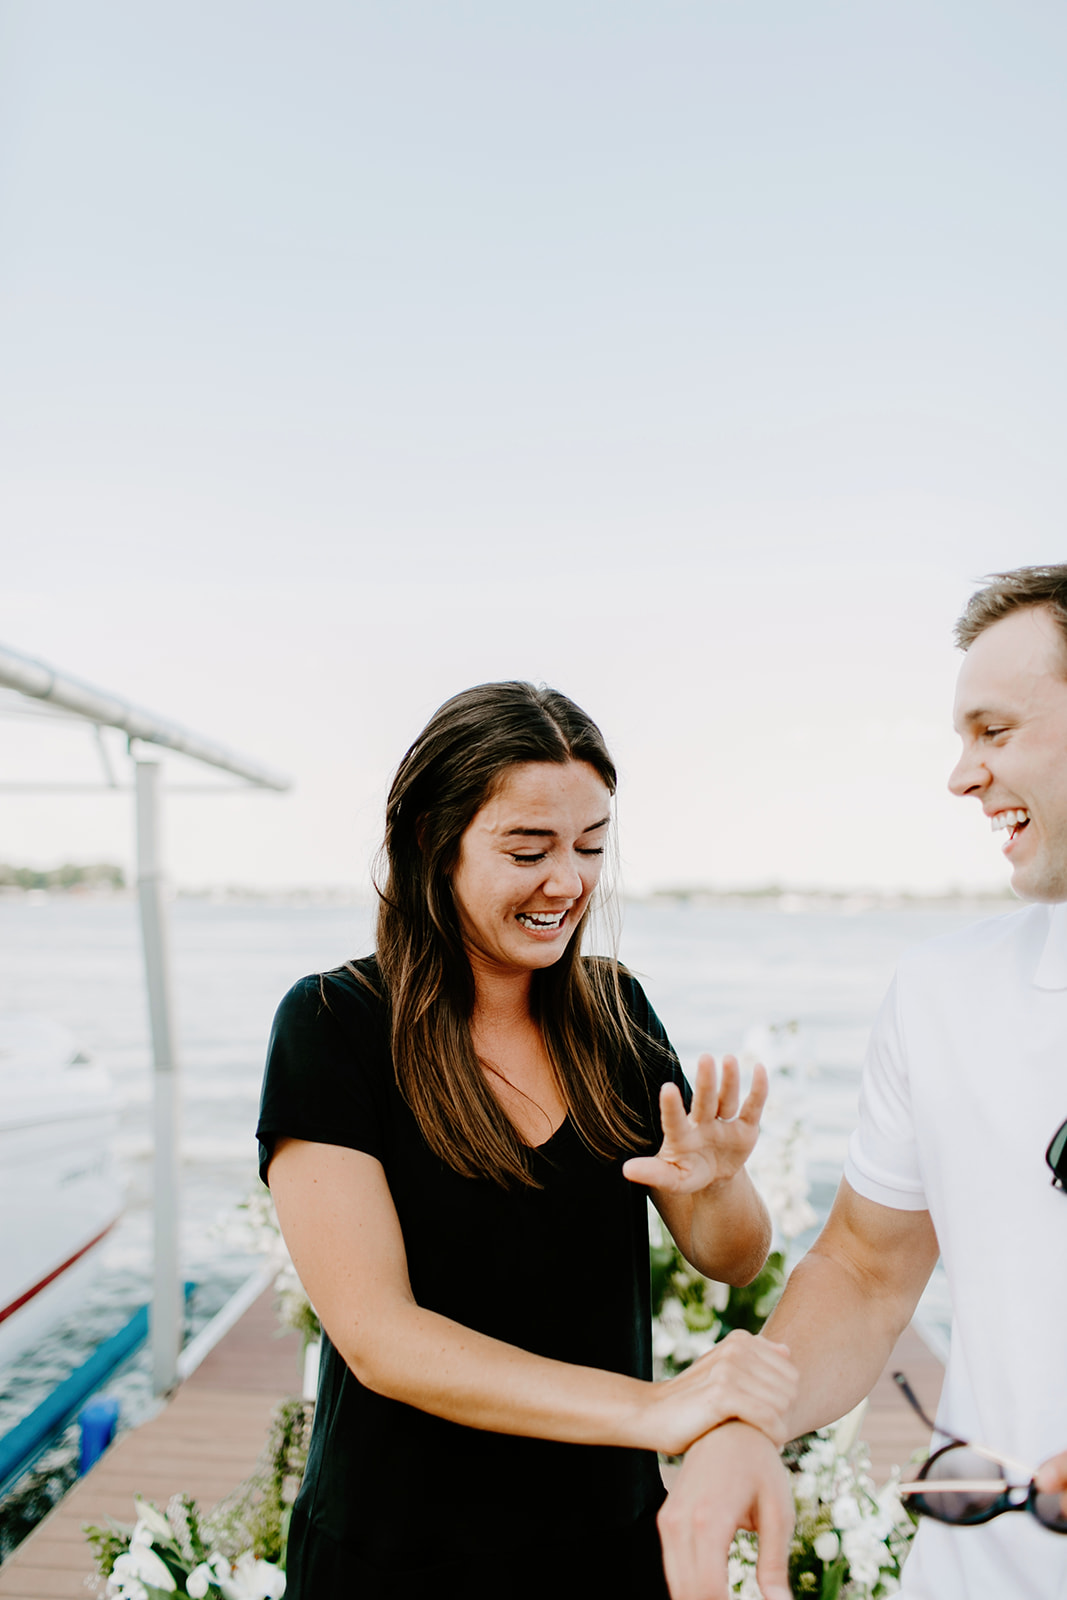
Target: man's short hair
(1006, 592)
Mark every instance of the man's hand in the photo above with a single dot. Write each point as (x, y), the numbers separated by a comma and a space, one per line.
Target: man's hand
(1052, 1479)
(712, 1143)
(732, 1478)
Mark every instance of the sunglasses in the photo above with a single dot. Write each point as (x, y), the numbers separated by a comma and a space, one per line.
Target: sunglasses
(1056, 1156)
(964, 1484)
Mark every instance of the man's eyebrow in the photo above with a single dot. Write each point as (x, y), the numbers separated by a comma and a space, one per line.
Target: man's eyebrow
(550, 833)
(982, 714)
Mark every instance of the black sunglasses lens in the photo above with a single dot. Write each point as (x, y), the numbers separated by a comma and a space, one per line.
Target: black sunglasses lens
(1057, 1154)
(957, 1463)
(1048, 1508)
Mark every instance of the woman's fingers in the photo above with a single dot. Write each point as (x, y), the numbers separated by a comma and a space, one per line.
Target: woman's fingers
(672, 1115)
(720, 1100)
(729, 1090)
(709, 1142)
(705, 1091)
(756, 1098)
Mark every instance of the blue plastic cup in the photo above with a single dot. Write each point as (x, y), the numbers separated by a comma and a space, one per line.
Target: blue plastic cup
(97, 1422)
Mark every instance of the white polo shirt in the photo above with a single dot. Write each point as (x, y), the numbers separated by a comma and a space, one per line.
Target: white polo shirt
(964, 1084)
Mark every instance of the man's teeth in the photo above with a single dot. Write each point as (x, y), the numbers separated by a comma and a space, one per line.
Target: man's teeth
(541, 919)
(1008, 819)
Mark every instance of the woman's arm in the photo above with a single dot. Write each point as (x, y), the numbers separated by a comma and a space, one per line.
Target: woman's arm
(698, 1180)
(341, 1227)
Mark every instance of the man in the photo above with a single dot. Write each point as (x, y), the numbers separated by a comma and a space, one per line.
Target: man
(964, 1085)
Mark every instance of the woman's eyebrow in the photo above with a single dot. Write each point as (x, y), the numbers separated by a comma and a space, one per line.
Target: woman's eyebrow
(550, 833)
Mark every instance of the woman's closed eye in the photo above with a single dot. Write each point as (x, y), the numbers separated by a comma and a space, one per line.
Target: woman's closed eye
(531, 860)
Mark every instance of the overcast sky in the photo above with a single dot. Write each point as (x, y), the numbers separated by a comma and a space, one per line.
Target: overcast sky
(695, 358)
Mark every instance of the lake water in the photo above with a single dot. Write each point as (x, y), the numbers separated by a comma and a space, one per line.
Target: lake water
(720, 976)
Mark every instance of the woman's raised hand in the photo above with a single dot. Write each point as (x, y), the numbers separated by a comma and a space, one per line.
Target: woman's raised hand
(712, 1143)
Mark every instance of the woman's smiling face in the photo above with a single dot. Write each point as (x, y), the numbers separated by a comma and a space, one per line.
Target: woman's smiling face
(528, 863)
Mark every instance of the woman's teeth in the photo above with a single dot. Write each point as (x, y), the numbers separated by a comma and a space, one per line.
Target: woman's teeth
(1009, 819)
(541, 919)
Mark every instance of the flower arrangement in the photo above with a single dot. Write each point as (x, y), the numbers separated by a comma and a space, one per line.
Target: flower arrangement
(850, 1539)
(236, 1552)
(691, 1313)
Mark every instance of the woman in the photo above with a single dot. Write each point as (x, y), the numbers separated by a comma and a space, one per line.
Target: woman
(460, 1134)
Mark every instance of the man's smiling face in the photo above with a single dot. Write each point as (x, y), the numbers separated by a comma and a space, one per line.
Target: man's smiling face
(1011, 714)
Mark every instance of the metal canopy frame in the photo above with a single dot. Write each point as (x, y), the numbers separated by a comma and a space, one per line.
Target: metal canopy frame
(57, 694)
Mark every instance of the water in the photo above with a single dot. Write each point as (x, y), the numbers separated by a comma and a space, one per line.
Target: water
(719, 975)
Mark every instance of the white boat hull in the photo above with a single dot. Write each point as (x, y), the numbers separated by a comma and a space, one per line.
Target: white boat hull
(60, 1191)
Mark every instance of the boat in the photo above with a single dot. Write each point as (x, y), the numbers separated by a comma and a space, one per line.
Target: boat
(60, 1189)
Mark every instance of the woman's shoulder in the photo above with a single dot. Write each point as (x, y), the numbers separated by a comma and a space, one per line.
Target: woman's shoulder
(348, 996)
(611, 975)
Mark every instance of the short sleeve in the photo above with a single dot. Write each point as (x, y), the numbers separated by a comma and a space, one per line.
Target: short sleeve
(324, 1079)
(883, 1154)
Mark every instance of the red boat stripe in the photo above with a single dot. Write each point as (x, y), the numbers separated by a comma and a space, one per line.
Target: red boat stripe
(16, 1305)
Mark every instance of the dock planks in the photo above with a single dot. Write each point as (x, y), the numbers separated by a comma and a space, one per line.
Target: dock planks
(202, 1443)
(891, 1430)
(208, 1437)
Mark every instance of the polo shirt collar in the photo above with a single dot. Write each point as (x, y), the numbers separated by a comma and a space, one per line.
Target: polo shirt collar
(1052, 967)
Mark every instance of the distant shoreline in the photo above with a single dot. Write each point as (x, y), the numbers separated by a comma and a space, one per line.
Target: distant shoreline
(773, 898)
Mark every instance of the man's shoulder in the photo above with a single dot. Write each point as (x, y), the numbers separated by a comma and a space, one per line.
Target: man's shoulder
(1009, 943)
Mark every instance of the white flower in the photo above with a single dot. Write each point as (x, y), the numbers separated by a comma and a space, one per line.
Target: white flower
(820, 1453)
(126, 1588)
(248, 1579)
(892, 1506)
(827, 1545)
(779, 1168)
(667, 1329)
(199, 1581)
(805, 1489)
(149, 1518)
(845, 1512)
(141, 1563)
(864, 1552)
(847, 1431)
(717, 1295)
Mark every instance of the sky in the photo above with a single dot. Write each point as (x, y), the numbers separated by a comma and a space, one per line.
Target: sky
(697, 358)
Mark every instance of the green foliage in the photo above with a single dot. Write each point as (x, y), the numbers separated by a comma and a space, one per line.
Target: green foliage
(705, 1304)
(748, 1308)
(107, 1544)
(298, 1312)
(256, 1516)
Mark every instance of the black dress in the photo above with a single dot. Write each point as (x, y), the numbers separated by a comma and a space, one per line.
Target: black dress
(398, 1503)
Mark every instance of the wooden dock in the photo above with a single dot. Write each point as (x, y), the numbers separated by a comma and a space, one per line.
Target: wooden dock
(891, 1430)
(208, 1437)
(202, 1443)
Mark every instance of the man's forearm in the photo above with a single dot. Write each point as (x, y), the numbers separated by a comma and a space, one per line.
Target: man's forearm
(843, 1307)
(839, 1358)
(846, 1304)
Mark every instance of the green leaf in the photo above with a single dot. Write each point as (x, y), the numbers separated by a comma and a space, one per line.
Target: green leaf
(832, 1579)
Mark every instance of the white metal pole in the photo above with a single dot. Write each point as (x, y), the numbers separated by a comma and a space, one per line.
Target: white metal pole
(166, 1318)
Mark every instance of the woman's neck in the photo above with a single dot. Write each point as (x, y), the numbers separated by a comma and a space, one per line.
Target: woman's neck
(501, 999)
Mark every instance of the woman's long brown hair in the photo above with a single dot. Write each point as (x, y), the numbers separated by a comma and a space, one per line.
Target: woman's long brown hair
(449, 773)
